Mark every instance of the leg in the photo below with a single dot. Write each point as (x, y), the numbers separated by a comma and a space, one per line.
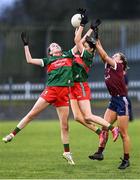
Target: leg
(78, 116)
(63, 113)
(89, 117)
(39, 106)
(109, 116)
(123, 126)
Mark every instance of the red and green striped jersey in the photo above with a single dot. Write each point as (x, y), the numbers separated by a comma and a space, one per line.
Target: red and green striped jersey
(59, 69)
(81, 66)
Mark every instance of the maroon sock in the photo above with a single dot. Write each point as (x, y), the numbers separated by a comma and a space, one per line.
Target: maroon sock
(100, 149)
(126, 156)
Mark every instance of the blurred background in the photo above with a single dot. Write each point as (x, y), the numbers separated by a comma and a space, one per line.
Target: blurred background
(47, 21)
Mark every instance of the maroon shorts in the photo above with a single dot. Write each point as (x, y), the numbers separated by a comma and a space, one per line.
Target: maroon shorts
(80, 91)
(56, 95)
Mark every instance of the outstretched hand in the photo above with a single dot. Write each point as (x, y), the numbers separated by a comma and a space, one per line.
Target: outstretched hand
(84, 16)
(25, 38)
(81, 10)
(95, 24)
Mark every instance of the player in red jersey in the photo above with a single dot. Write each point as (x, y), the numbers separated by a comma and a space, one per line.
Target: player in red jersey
(58, 66)
(80, 92)
(119, 107)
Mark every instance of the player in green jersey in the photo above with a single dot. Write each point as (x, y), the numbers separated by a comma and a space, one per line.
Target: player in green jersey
(58, 66)
(80, 92)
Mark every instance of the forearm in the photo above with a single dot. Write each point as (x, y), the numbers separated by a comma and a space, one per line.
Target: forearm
(78, 34)
(28, 54)
(104, 55)
(29, 59)
(101, 52)
(89, 32)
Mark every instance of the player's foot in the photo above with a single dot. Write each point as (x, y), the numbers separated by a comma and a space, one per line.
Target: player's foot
(96, 156)
(115, 133)
(68, 157)
(124, 164)
(103, 137)
(8, 138)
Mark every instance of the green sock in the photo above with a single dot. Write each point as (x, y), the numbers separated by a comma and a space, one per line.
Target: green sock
(66, 148)
(16, 130)
(110, 127)
(98, 131)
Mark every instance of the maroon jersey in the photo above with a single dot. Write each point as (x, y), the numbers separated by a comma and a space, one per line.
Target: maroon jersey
(114, 79)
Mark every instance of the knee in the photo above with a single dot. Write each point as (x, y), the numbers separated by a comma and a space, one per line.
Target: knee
(124, 134)
(78, 118)
(88, 118)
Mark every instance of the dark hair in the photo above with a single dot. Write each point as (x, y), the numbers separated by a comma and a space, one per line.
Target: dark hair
(124, 59)
(48, 51)
(91, 42)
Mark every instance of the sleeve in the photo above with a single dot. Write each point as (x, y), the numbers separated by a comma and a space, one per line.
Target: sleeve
(44, 62)
(68, 54)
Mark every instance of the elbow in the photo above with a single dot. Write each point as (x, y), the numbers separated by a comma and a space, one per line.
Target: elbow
(29, 61)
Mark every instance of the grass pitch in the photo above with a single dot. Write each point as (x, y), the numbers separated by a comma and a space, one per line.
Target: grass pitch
(36, 153)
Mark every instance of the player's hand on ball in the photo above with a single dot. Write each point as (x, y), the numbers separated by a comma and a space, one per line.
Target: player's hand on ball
(25, 38)
(81, 10)
(84, 16)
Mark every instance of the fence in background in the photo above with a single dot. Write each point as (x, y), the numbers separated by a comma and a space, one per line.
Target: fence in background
(29, 91)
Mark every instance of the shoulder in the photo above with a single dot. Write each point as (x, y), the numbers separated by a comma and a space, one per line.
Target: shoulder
(68, 53)
(48, 60)
(120, 67)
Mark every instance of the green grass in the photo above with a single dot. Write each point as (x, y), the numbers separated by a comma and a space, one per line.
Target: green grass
(36, 153)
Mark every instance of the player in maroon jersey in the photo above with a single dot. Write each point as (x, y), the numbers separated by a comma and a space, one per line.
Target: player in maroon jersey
(118, 108)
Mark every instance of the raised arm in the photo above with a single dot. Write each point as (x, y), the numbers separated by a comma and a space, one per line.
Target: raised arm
(77, 39)
(78, 34)
(93, 26)
(89, 32)
(28, 56)
(103, 54)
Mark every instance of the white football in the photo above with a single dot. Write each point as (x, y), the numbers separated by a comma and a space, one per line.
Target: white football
(76, 20)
